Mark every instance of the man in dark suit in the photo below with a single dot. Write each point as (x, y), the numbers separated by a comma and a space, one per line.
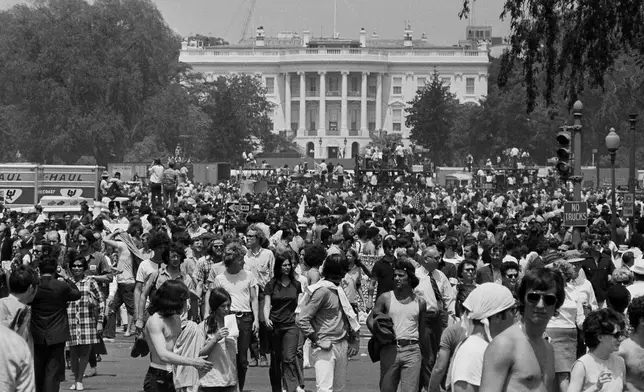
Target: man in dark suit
(491, 273)
(49, 324)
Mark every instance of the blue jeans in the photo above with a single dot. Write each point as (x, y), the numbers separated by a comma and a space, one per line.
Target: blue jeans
(245, 326)
(284, 361)
(400, 365)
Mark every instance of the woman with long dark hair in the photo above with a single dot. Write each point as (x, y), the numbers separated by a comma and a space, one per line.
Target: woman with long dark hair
(281, 297)
(220, 347)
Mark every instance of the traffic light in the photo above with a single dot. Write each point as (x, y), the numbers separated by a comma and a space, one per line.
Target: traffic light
(563, 154)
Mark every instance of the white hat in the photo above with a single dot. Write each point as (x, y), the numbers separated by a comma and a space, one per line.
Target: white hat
(638, 266)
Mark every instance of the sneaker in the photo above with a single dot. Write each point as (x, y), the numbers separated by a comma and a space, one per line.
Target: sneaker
(300, 389)
(72, 387)
(263, 362)
(79, 386)
(90, 373)
(252, 363)
(108, 340)
(127, 334)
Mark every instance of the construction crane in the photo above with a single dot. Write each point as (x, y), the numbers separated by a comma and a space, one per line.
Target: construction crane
(249, 17)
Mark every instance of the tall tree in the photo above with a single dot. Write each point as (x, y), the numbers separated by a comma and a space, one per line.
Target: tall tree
(77, 76)
(430, 116)
(239, 115)
(573, 42)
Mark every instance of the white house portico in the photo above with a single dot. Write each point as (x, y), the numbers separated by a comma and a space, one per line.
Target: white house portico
(331, 94)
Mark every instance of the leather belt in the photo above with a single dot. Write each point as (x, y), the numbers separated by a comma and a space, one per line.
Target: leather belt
(405, 342)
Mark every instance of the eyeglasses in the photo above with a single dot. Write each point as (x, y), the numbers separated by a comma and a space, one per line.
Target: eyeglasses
(548, 299)
(77, 266)
(469, 270)
(82, 241)
(616, 335)
(512, 276)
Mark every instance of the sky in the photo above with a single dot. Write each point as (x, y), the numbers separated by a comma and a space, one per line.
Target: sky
(225, 18)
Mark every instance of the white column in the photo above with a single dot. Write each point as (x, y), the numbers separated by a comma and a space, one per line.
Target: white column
(344, 109)
(302, 125)
(379, 103)
(322, 124)
(287, 101)
(364, 126)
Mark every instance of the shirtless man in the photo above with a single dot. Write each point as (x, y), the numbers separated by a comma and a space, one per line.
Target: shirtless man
(632, 349)
(162, 329)
(520, 359)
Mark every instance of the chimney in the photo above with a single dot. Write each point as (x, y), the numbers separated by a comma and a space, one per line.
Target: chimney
(306, 38)
(423, 37)
(259, 38)
(363, 37)
(408, 38)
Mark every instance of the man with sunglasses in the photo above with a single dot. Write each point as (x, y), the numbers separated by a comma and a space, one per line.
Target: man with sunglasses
(520, 359)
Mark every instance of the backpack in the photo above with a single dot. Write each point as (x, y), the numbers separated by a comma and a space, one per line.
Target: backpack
(169, 178)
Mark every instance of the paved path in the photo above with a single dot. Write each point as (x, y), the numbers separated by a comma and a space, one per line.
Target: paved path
(118, 372)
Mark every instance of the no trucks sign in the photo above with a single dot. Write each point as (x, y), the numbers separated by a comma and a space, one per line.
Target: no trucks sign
(575, 214)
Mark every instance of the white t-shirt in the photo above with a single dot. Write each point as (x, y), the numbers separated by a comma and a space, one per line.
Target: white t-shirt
(156, 173)
(239, 287)
(146, 268)
(469, 362)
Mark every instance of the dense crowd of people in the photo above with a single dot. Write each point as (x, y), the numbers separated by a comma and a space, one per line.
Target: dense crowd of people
(462, 289)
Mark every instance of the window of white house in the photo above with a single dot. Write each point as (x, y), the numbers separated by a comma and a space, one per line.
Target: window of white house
(355, 115)
(397, 90)
(469, 86)
(270, 86)
(371, 86)
(371, 118)
(313, 115)
(355, 84)
(295, 87)
(397, 120)
(421, 83)
(334, 83)
(313, 84)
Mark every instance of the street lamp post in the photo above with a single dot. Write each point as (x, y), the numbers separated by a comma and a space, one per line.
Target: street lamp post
(612, 144)
(632, 170)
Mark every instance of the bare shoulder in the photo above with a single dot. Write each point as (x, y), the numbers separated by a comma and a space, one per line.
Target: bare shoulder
(503, 345)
